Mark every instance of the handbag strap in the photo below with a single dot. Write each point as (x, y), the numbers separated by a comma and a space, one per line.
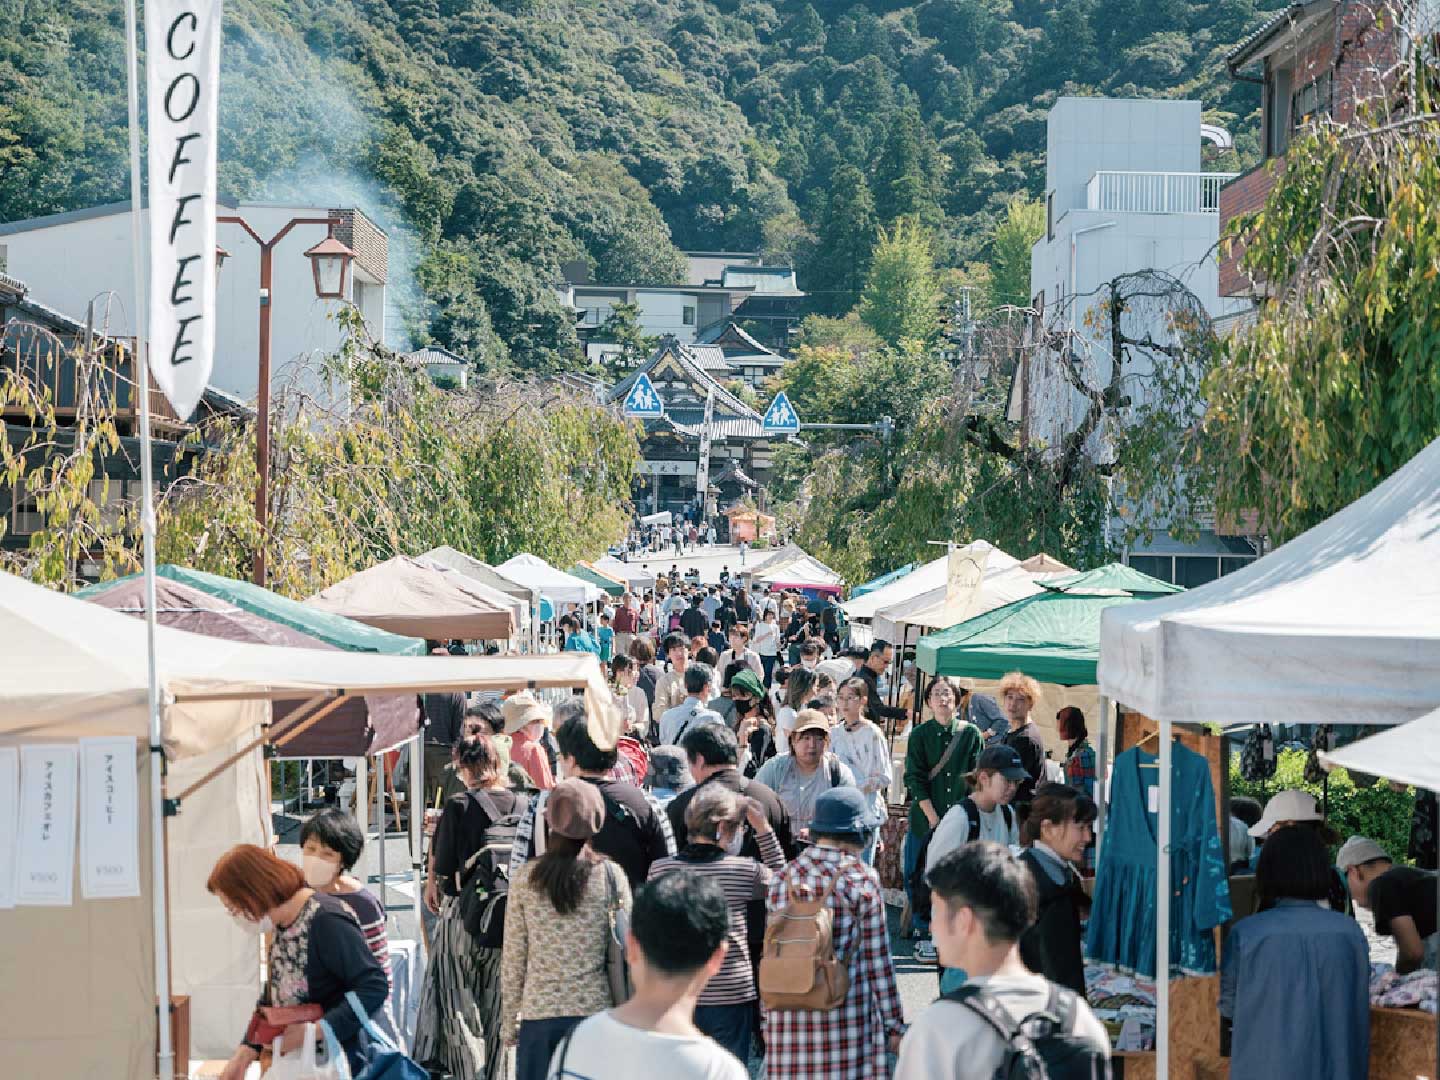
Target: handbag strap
(333, 1050)
(376, 1035)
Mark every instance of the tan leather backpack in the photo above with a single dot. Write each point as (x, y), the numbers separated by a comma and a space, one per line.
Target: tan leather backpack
(798, 967)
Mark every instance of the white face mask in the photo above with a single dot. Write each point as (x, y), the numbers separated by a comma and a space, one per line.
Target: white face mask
(319, 872)
(254, 927)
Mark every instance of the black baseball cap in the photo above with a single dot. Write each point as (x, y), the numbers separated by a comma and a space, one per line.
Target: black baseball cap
(1003, 760)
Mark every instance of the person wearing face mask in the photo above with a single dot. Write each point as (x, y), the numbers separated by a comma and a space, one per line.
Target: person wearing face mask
(330, 846)
(715, 822)
(318, 954)
(1056, 834)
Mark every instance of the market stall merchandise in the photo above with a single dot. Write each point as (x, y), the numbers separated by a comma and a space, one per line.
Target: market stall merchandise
(1337, 626)
(360, 726)
(71, 670)
(406, 596)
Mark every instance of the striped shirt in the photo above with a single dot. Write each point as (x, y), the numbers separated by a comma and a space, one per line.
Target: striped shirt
(743, 881)
(370, 914)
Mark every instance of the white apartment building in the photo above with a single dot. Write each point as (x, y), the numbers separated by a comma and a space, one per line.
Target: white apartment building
(74, 257)
(1124, 192)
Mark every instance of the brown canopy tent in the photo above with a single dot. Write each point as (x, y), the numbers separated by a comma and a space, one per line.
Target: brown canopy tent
(405, 596)
(361, 725)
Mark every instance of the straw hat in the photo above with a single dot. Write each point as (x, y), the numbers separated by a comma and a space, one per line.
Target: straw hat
(522, 709)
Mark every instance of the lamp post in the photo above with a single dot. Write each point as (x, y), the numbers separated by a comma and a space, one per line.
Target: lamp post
(330, 262)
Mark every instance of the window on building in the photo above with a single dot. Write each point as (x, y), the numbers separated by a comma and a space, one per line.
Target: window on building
(4, 259)
(688, 316)
(109, 497)
(1277, 112)
(25, 515)
(1050, 215)
(1157, 566)
(1311, 101)
(1195, 570)
(1229, 564)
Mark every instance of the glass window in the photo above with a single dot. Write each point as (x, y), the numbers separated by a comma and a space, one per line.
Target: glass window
(1193, 570)
(1157, 566)
(689, 316)
(1229, 564)
(25, 515)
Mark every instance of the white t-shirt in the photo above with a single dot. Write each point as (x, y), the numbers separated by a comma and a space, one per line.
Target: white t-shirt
(602, 1048)
(954, 830)
(766, 639)
(950, 1040)
(839, 669)
(784, 725)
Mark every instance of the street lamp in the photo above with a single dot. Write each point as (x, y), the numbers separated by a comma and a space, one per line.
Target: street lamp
(330, 261)
(324, 258)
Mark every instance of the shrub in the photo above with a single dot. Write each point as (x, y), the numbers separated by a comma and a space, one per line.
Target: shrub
(1379, 811)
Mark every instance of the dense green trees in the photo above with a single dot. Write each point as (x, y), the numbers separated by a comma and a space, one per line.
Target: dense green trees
(902, 295)
(507, 138)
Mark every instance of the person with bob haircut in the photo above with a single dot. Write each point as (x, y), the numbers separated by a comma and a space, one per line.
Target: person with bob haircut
(557, 929)
(1294, 984)
(1056, 836)
(318, 954)
(676, 945)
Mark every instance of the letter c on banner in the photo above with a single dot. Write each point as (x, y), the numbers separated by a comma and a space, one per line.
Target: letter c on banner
(184, 16)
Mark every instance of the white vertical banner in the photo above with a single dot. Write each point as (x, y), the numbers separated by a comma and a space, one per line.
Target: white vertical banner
(109, 819)
(182, 69)
(9, 822)
(46, 876)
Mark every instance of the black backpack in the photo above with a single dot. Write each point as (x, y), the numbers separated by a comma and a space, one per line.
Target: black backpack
(920, 902)
(1042, 1046)
(485, 880)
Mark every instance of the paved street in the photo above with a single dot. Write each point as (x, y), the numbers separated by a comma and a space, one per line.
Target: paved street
(708, 560)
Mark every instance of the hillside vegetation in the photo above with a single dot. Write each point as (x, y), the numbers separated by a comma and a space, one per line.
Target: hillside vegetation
(498, 139)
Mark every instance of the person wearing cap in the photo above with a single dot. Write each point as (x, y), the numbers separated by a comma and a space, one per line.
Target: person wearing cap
(557, 930)
(844, 666)
(525, 722)
(1295, 980)
(851, 1041)
(1298, 809)
(694, 710)
(810, 769)
(863, 747)
(669, 774)
(1402, 899)
(984, 814)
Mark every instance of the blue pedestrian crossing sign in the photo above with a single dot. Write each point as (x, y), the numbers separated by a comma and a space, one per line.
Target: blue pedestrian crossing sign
(780, 418)
(642, 400)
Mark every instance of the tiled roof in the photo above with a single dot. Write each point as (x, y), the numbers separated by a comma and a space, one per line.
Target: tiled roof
(725, 401)
(1241, 53)
(433, 355)
(711, 358)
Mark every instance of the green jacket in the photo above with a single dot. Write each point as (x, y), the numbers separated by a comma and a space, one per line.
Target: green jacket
(927, 747)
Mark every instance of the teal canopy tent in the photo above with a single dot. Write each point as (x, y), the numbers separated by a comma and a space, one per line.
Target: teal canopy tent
(609, 585)
(1053, 636)
(883, 580)
(334, 630)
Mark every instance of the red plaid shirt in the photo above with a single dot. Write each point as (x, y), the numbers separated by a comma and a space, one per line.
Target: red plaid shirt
(848, 1043)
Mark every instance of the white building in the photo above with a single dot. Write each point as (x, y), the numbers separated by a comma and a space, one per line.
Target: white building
(1124, 192)
(74, 257)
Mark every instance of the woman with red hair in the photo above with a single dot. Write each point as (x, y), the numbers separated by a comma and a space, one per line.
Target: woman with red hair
(318, 954)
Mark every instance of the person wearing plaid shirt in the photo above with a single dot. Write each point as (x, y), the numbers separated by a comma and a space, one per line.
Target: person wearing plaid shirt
(1079, 767)
(850, 1042)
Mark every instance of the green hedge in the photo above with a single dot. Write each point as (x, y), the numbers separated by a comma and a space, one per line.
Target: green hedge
(1377, 812)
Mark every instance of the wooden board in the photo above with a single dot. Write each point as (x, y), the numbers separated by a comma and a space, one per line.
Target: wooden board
(1402, 1044)
(1194, 1034)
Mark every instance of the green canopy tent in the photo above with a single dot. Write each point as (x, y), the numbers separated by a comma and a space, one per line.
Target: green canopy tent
(1053, 636)
(334, 630)
(610, 585)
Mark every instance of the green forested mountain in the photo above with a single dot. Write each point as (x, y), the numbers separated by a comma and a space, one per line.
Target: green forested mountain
(499, 138)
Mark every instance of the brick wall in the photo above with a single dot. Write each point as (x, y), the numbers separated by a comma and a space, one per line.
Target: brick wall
(1243, 195)
(363, 236)
(1364, 52)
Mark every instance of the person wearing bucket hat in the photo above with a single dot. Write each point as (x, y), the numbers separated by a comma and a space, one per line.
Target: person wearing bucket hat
(851, 1040)
(557, 929)
(1286, 808)
(669, 773)
(525, 722)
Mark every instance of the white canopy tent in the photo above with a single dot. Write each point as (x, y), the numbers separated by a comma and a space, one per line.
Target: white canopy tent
(1001, 582)
(801, 571)
(1339, 626)
(70, 669)
(921, 580)
(633, 576)
(1407, 753)
(545, 581)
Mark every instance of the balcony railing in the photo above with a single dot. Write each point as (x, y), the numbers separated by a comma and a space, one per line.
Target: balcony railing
(1156, 192)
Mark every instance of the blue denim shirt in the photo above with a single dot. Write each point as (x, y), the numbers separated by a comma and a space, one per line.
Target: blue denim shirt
(1295, 982)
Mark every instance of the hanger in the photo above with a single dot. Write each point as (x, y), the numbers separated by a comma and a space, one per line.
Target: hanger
(1148, 764)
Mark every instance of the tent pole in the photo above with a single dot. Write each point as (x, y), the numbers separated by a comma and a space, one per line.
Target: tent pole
(1102, 773)
(380, 819)
(362, 794)
(165, 1049)
(417, 832)
(1162, 910)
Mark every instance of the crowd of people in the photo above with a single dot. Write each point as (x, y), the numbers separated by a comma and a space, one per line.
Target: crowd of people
(687, 884)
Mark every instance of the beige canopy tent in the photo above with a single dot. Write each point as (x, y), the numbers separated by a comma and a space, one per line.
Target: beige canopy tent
(522, 597)
(68, 669)
(406, 596)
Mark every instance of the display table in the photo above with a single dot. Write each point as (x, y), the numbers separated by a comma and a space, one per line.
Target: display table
(1402, 1044)
(1194, 1035)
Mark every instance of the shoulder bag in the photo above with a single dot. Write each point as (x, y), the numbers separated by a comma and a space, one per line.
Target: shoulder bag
(617, 968)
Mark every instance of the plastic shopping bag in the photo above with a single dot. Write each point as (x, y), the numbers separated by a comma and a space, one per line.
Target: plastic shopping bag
(306, 1063)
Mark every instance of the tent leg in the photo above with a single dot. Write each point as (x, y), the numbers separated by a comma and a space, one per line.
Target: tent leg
(1162, 911)
(417, 834)
(380, 822)
(362, 794)
(1102, 773)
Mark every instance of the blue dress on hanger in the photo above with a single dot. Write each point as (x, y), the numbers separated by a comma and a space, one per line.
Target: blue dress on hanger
(1122, 920)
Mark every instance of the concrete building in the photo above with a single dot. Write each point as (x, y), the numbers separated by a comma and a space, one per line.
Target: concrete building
(73, 257)
(1124, 192)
